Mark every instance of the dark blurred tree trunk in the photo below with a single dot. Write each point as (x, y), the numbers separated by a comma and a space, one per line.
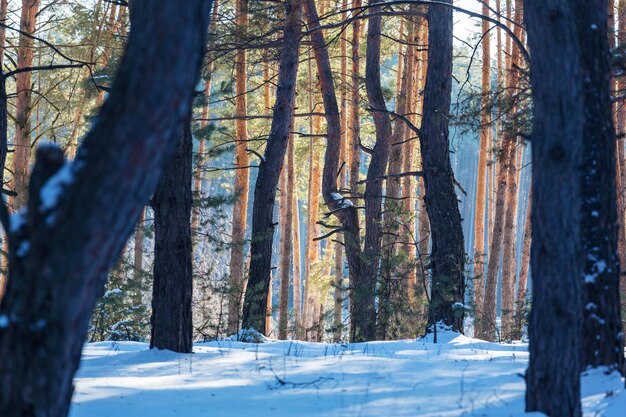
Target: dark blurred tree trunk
(447, 254)
(555, 330)
(269, 172)
(62, 248)
(171, 320)
(603, 340)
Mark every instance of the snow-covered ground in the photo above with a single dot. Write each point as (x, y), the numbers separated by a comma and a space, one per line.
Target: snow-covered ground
(459, 377)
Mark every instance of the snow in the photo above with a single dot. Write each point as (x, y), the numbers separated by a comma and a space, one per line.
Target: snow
(52, 189)
(458, 377)
(342, 201)
(112, 292)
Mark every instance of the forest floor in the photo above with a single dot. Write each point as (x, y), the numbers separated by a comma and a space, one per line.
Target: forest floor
(458, 377)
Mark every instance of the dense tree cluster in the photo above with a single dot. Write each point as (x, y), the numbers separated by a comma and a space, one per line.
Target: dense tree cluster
(319, 170)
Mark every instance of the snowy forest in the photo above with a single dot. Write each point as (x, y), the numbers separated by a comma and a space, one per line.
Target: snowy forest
(379, 208)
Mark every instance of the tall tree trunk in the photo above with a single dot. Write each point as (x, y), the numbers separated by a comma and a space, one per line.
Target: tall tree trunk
(286, 238)
(312, 247)
(68, 249)
(555, 330)
(23, 80)
(603, 340)
(269, 171)
(447, 255)
(345, 158)
(240, 206)
(481, 176)
(171, 320)
(376, 170)
(510, 218)
(362, 314)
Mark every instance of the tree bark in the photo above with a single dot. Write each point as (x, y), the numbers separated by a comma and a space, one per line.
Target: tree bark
(286, 238)
(242, 160)
(447, 254)
(555, 330)
(509, 240)
(481, 176)
(603, 340)
(355, 100)
(61, 251)
(269, 171)
(23, 107)
(172, 290)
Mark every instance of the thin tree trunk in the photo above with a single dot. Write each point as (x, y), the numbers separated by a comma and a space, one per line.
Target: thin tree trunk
(525, 264)
(481, 177)
(242, 160)
(80, 223)
(510, 218)
(269, 171)
(172, 289)
(297, 285)
(23, 106)
(286, 238)
(355, 100)
(447, 255)
(555, 329)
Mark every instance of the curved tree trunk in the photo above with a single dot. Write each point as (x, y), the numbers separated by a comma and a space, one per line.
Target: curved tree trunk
(362, 313)
(447, 255)
(67, 250)
(171, 320)
(269, 171)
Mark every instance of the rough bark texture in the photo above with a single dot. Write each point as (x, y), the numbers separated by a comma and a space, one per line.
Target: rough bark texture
(510, 218)
(171, 321)
(621, 163)
(447, 255)
(603, 340)
(242, 160)
(269, 172)
(355, 99)
(67, 250)
(555, 330)
(481, 176)
(23, 108)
